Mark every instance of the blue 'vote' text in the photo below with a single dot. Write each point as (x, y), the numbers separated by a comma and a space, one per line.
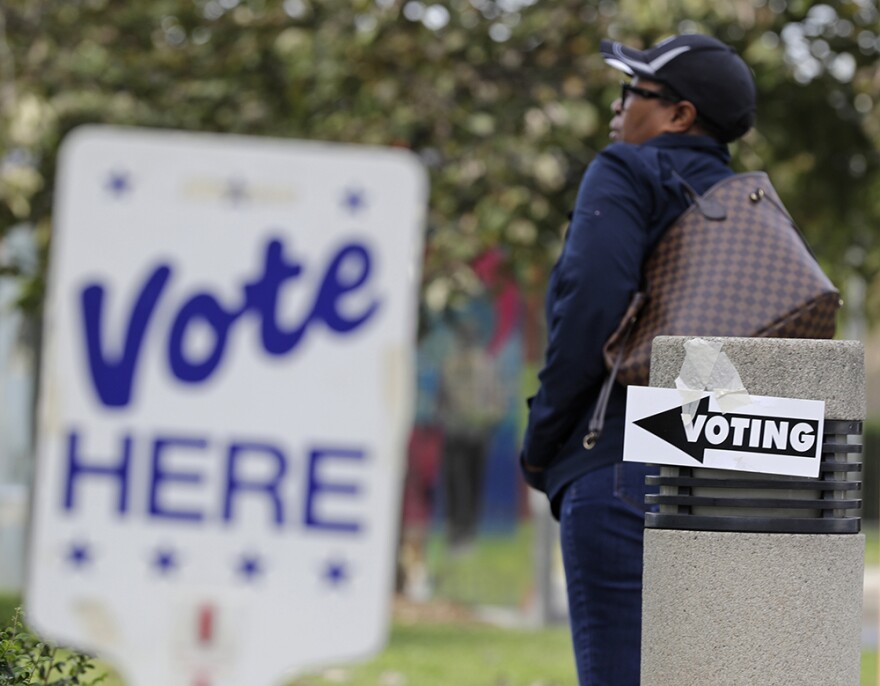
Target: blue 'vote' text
(348, 271)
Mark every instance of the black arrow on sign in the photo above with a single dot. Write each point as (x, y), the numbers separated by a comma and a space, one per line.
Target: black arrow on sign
(669, 426)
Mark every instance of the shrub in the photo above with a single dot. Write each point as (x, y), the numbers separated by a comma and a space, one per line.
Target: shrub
(26, 660)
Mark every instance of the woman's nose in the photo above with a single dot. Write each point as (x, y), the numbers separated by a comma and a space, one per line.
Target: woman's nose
(617, 106)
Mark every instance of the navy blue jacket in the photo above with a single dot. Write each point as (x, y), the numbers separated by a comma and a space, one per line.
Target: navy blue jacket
(628, 197)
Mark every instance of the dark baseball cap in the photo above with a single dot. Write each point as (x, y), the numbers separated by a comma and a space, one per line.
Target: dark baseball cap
(700, 69)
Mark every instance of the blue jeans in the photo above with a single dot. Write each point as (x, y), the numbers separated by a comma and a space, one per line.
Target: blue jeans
(601, 527)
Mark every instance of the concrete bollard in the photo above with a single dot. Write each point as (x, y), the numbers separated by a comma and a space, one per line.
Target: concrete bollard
(767, 591)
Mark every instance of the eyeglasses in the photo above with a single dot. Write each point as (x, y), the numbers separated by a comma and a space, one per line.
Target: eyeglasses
(627, 88)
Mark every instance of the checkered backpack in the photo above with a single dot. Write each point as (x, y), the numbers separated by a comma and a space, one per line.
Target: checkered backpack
(734, 264)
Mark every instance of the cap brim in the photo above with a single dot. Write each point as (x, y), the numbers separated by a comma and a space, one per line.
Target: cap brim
(642, 63)
(628, 60)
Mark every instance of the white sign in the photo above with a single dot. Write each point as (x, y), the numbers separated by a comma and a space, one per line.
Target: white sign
(767, 435)
(227, 392)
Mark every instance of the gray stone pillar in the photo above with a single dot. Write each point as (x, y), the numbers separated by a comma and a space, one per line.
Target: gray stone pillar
(751, 608)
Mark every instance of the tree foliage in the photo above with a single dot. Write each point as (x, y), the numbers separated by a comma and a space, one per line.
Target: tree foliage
(506, 101)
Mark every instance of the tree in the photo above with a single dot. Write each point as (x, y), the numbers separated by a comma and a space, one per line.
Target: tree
(504, 100)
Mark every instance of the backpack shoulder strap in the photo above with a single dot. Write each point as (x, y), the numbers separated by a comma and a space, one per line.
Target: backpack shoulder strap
(711, 208)
(705, 205)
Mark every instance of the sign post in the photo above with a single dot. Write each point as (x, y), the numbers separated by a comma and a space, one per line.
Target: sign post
(753, 568)
(226, 397)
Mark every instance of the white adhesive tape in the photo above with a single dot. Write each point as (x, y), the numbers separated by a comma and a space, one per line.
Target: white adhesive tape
(707, 368)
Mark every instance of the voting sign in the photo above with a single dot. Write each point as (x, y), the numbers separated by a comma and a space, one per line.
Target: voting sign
(227, 393)
(763, 434)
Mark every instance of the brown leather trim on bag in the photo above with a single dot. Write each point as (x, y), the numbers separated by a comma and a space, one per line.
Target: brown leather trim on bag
(597, 421)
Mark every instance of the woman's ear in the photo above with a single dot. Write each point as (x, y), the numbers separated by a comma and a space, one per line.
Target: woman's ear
(684, 116)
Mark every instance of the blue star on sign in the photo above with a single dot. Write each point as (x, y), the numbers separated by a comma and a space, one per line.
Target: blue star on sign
(250, 567)
(118, 183)
(336, 573)
(165, 561)
(354, 200)
(79, 555)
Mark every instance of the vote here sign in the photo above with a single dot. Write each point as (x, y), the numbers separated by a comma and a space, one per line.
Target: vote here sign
(226, 396)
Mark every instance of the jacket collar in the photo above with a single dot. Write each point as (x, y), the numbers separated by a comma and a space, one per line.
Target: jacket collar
(688, 141)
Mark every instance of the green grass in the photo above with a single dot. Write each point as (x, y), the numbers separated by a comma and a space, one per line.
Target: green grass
(872, 545)
(496, 570)
(425, 655)
(872, 558)
(869, 668)
(462, 655)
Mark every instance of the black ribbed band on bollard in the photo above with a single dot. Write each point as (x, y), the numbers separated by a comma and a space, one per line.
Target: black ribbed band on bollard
(708, 500)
